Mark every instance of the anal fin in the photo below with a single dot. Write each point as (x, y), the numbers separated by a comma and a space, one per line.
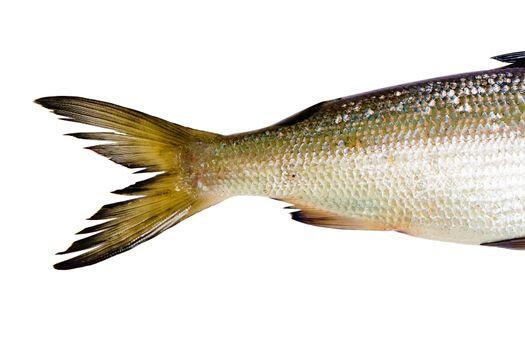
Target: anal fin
(308, 214)
(513, 243)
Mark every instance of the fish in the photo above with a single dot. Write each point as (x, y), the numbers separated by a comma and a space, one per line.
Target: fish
(441, 159)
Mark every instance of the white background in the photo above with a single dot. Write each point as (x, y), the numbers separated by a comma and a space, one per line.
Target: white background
(240, 275)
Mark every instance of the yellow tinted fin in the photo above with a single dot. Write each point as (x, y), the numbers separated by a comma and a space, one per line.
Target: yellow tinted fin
(140, 141)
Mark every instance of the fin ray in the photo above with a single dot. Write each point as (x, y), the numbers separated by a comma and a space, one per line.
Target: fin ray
(308, 214)
(136, 140)
(516, 59)
(513, 243)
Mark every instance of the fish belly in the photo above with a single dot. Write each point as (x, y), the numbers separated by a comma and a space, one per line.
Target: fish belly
(443, 159)
(469, 191)
(461, 191)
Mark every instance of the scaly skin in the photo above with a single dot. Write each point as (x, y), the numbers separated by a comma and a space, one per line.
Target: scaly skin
(442, 159)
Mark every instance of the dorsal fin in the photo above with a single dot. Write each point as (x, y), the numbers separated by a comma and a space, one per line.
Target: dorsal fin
(516, 59)
(300, 116)
(296, 118)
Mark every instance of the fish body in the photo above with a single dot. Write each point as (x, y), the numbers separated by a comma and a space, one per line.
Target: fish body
(442, 159)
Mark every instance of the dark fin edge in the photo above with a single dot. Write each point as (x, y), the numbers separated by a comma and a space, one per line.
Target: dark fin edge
(516, 59)
(138, 141)
(513, 243)
(307, 214)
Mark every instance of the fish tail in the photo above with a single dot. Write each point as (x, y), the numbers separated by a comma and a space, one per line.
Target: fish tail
(137, 140)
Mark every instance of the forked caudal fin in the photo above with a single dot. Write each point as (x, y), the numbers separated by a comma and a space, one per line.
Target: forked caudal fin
(142, 141)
